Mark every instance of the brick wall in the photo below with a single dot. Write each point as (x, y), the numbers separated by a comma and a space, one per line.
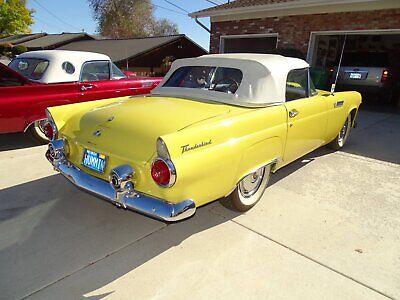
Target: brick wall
(294, 31)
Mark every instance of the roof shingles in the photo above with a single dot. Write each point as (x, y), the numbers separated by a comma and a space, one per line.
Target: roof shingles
(52, 40)
(121, 49)
(21, 38)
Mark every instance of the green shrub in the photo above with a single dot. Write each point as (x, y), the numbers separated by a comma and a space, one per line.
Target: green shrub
(5, 49)
(17, 50)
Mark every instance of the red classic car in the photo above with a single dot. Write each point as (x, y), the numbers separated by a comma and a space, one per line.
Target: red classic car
(36, 80)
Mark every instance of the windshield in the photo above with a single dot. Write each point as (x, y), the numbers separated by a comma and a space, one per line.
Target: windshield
(116, 72)
(220, 79)
(32, 68)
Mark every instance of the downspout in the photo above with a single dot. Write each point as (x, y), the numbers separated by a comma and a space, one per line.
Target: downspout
(202, 25)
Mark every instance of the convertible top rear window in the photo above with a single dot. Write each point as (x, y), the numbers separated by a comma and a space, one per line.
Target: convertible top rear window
(32, 68)
(219, 79)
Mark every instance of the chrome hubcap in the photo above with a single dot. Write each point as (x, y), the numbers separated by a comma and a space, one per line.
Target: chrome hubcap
(249, 185)
(39, 128)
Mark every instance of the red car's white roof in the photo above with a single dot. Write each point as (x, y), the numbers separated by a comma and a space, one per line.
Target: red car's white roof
(54, 72)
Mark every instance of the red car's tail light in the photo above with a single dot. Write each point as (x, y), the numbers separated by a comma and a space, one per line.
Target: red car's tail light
(48, 131)
(163, 172)
(50, 128)
(385, 75)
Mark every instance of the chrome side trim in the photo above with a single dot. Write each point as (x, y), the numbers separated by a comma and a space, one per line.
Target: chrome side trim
(130, 199)
(273, 161)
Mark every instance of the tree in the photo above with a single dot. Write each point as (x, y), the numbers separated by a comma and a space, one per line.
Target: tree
(164, 27)
(14, 17)
(129, 18)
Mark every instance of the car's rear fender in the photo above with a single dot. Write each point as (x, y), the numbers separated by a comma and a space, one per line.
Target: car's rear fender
(239, 145)
(337, 114)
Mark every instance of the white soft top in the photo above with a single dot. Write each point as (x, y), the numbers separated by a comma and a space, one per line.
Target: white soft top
(263, 83)
(54, 72)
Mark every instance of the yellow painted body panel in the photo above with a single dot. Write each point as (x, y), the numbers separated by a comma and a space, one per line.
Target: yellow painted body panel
(231, 141)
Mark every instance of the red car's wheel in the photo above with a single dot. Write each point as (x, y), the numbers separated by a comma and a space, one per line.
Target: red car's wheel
(36, 130)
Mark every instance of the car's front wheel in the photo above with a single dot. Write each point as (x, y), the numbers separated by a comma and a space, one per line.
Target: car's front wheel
(250, 189)
(342, 136)
(37, 131)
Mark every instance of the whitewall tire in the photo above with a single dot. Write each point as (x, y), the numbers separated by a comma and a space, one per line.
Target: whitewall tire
(250, 189)
(342, 136)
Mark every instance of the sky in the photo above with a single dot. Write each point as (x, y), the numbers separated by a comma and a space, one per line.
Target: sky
(55, 16)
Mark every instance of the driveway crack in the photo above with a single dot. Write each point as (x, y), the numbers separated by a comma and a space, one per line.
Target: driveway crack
(316, 261)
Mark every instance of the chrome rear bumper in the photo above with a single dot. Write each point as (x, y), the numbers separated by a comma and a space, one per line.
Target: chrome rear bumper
(129, 199)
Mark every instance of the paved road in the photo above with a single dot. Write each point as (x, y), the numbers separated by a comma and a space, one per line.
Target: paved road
(327, 227)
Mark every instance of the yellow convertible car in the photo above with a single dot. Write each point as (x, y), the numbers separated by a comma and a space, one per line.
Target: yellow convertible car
(216, 126)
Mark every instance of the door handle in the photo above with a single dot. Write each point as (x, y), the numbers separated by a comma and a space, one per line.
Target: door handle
(86, 87)
(338, 104)
(293, 113)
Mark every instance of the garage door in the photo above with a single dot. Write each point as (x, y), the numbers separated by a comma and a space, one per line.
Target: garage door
(249, 44)
(370, 64)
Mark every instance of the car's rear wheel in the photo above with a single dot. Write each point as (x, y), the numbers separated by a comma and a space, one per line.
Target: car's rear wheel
(36, 130)
(250, 189)
(342, 136)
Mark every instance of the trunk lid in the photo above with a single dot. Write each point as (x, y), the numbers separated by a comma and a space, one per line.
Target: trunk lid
(129, 129)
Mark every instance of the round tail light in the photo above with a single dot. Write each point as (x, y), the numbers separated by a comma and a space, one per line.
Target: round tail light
(163, 172)
(48, 131)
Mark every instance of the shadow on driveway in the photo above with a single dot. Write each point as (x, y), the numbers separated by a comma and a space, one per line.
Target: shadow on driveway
(13, 141)
(50, 230)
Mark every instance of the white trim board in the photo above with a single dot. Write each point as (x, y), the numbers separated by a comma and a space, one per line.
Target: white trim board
(299, 7)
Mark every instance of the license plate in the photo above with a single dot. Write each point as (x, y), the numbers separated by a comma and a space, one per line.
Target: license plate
(94, 161)
(355, 75)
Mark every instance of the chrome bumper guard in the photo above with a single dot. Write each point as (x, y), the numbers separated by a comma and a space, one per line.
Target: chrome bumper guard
(122, 195)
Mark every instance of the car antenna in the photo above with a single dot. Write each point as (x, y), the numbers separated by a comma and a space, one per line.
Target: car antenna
(340, 63)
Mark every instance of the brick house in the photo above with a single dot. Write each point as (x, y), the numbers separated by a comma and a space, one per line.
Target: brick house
(297, 23)
(314, 28)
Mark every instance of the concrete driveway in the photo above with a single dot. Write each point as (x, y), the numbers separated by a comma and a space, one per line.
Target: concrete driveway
(327, 227)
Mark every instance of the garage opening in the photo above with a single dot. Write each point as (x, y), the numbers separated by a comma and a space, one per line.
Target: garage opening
(370, 64)
(249, 43)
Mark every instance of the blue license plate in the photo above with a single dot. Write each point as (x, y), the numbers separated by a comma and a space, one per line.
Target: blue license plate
(94, 161)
